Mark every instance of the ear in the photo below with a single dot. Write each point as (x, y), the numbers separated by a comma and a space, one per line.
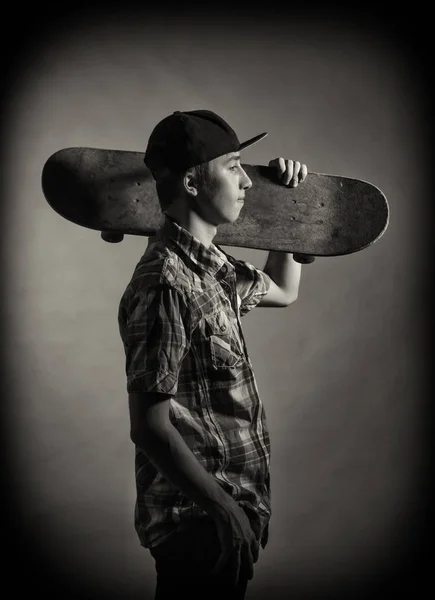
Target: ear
(190, 184)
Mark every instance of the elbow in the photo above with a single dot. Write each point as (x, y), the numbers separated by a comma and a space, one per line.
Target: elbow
(149, 417)
(146, 439)
(137, 437)
(146, 433)
(284, 300)
(143, 435)
(149, 433)
(291, 298)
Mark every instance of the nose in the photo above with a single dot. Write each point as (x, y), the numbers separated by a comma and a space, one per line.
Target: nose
(245, 182)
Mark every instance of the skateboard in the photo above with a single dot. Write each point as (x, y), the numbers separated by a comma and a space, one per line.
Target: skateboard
(113, 192)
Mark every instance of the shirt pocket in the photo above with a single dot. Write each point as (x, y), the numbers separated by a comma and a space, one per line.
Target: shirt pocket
(222, 341)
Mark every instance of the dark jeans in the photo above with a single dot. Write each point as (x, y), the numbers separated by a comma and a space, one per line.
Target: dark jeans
(183, 565)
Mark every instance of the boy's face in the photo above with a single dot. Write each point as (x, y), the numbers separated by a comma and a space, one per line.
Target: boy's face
(223, 198)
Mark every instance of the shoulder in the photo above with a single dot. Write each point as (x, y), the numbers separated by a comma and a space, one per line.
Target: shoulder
(243, 268)
(238, 264)
(161, 268)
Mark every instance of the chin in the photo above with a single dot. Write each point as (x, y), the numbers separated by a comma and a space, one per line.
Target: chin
(233, 217)
(229, 220)
(228, 217)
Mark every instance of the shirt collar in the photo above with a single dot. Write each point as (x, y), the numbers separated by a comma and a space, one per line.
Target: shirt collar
(210, 259)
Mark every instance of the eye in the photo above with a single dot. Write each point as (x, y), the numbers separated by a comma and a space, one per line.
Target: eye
(234, 168)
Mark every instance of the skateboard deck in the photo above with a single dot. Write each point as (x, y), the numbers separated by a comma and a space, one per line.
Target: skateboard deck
(113, 192)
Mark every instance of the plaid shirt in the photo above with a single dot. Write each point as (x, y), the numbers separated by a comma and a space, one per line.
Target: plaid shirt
(179, 321)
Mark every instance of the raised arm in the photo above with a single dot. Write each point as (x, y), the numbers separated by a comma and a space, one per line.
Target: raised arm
(283, 270)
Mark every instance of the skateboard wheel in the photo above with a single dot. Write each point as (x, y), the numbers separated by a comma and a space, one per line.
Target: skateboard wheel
(303, 259)
(113, 238)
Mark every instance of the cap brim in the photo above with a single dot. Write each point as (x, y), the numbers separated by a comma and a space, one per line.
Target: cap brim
(252, 141)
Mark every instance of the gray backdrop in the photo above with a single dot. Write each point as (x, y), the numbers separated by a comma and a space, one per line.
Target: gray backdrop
(339, 371)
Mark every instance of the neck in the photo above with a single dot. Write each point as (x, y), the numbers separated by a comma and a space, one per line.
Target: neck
(194, 224)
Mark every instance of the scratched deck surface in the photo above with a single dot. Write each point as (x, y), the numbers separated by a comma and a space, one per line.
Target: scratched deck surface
(113, 191)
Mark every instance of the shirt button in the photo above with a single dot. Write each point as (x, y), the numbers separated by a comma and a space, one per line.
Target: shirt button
(224, 269)
(222, 321)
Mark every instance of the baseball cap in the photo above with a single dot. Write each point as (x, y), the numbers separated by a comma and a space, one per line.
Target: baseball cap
(187, 139)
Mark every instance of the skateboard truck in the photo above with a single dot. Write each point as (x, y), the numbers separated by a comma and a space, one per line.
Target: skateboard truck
(112, 237)
(303, 259)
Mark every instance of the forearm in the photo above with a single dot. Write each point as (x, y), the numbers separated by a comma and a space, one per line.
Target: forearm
(167, 450)
(284, 271)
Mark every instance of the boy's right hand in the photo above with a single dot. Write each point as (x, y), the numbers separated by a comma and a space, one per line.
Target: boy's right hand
(236, 538)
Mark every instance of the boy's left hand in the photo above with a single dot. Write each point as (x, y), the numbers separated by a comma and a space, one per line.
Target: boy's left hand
(290, 172)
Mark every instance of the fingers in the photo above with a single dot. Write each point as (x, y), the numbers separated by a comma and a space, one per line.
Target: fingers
(290, 172)
(247, 563)
(239, 548)
(231, 560)
(236, 565)
(255, 550)
(237, 560)
(303, 173)
(222, 560)
(279, 164)
(241, 564)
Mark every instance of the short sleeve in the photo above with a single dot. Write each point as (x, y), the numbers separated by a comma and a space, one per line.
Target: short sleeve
(252, 285)
(156, 339)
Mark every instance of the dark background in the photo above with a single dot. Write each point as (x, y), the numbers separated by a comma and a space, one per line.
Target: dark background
(343, 373)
